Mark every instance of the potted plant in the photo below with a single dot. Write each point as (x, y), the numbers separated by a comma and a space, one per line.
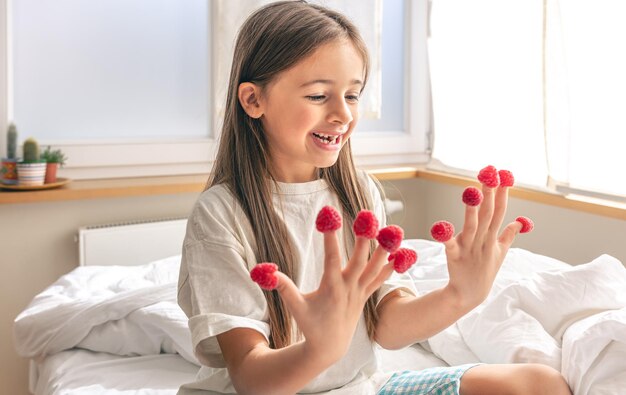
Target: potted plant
(54, 159)
(31, 170)
(9, 164)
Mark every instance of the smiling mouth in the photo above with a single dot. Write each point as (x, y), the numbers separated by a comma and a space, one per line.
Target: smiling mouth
(327, 139)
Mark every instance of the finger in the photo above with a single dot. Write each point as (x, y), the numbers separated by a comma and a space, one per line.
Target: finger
(384, 273)
(358, 260)
(466, 237)
(501, 200)
(508, 234)
(485, 213)
(290, 294)
(332, 255)
(378, 259)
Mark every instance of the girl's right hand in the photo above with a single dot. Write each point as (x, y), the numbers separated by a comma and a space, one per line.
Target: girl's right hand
(328, 316)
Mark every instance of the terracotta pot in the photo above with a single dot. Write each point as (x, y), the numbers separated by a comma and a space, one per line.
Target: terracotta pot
(51, 172)
(8, 174)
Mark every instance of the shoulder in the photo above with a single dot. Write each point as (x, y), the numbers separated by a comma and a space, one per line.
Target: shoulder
(370, 185)
(214, 216)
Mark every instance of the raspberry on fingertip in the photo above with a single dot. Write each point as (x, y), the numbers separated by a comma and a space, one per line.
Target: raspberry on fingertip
(365, 224)
(489, 176)
(390, 237)
(328, 219)
(263, 274)
(442, 231)
(403, 259)
(506, 178)
(472, 196)
(527, 224)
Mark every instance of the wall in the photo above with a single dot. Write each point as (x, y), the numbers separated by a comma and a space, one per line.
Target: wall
(37, 246)
(571, 236)
(37, 241)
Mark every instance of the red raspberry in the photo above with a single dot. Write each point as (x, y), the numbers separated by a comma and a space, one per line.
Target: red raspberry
(390, 237)
(489, 176)
(263, 274)
(328, 219)
(403, 259)
(442, 231)
(365, 224)
(472, 196)
(527, 224)
(506, 178)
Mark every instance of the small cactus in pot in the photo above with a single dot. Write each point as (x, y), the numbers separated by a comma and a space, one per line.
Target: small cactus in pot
(30, 151)
(32, 169)
(8, 171)
(12, 142)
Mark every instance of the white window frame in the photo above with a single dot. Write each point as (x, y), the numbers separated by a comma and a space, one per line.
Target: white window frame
(411, 145)
(113, 158)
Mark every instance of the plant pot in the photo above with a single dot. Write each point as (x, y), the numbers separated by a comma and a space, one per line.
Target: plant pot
(9, 171)
(32, 173)
(51, 172)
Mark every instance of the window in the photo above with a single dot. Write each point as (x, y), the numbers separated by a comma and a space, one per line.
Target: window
(531, 87)
(127, 88)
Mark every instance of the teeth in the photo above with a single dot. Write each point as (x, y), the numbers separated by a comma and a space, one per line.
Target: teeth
(326, 139)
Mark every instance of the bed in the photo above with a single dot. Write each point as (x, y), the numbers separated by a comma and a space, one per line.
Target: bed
(117, 329)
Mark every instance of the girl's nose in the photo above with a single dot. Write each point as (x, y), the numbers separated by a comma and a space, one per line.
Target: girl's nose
(340, 112)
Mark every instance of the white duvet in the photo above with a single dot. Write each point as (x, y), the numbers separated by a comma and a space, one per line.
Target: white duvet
(121, 310)
(572, 318)
(540, 310)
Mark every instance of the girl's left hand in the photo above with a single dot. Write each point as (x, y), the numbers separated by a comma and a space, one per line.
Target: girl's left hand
(476, 254)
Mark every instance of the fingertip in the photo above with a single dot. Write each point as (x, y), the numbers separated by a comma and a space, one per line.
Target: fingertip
(527, 224)
(510, 232)
(283, 283)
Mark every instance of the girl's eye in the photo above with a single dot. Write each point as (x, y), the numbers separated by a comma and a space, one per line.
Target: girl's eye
(316, 98)
(353, 98)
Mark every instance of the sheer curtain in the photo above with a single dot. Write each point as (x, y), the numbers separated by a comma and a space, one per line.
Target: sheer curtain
(536, 87)
(593, 38)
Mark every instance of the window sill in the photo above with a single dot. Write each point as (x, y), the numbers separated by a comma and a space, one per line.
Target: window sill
(109, 188)
(574, 202)
(144, 186)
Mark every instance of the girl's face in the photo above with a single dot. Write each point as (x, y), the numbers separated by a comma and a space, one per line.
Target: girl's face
(310, 110)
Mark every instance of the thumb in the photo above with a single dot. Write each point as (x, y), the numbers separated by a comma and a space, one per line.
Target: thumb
(508, 234)
(290, 294)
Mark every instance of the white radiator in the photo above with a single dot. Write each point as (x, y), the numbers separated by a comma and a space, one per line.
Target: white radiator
(130, 243)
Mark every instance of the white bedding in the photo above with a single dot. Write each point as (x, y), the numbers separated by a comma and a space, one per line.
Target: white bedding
(540, 310)
(78, 371)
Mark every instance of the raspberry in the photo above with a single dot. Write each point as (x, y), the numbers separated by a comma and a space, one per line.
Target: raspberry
(489, 176)
(390, 237)
(263, 274)
(472, 196)
(527, 224)
(403, 259)
(365, 224)
(506, 178)
(328, 219)
(442, 231)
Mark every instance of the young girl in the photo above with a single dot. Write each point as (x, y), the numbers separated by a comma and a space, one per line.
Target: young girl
(297, 74)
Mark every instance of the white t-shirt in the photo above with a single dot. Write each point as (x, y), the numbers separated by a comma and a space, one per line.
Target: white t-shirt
(217, 294)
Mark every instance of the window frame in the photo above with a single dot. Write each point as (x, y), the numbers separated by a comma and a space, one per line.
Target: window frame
(116, 158)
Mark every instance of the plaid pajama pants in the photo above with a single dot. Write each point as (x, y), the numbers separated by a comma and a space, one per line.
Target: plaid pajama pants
(431, 381)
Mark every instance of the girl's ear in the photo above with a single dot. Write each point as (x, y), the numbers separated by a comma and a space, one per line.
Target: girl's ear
(249, 95)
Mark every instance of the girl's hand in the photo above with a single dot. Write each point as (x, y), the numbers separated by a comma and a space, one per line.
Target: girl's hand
(476, 254)
(328, 316)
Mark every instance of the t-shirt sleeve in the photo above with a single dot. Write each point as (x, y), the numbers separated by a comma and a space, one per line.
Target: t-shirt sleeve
(397, 280)
(215, 289)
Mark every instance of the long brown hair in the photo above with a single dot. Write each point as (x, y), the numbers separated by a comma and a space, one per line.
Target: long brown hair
(273, 39)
